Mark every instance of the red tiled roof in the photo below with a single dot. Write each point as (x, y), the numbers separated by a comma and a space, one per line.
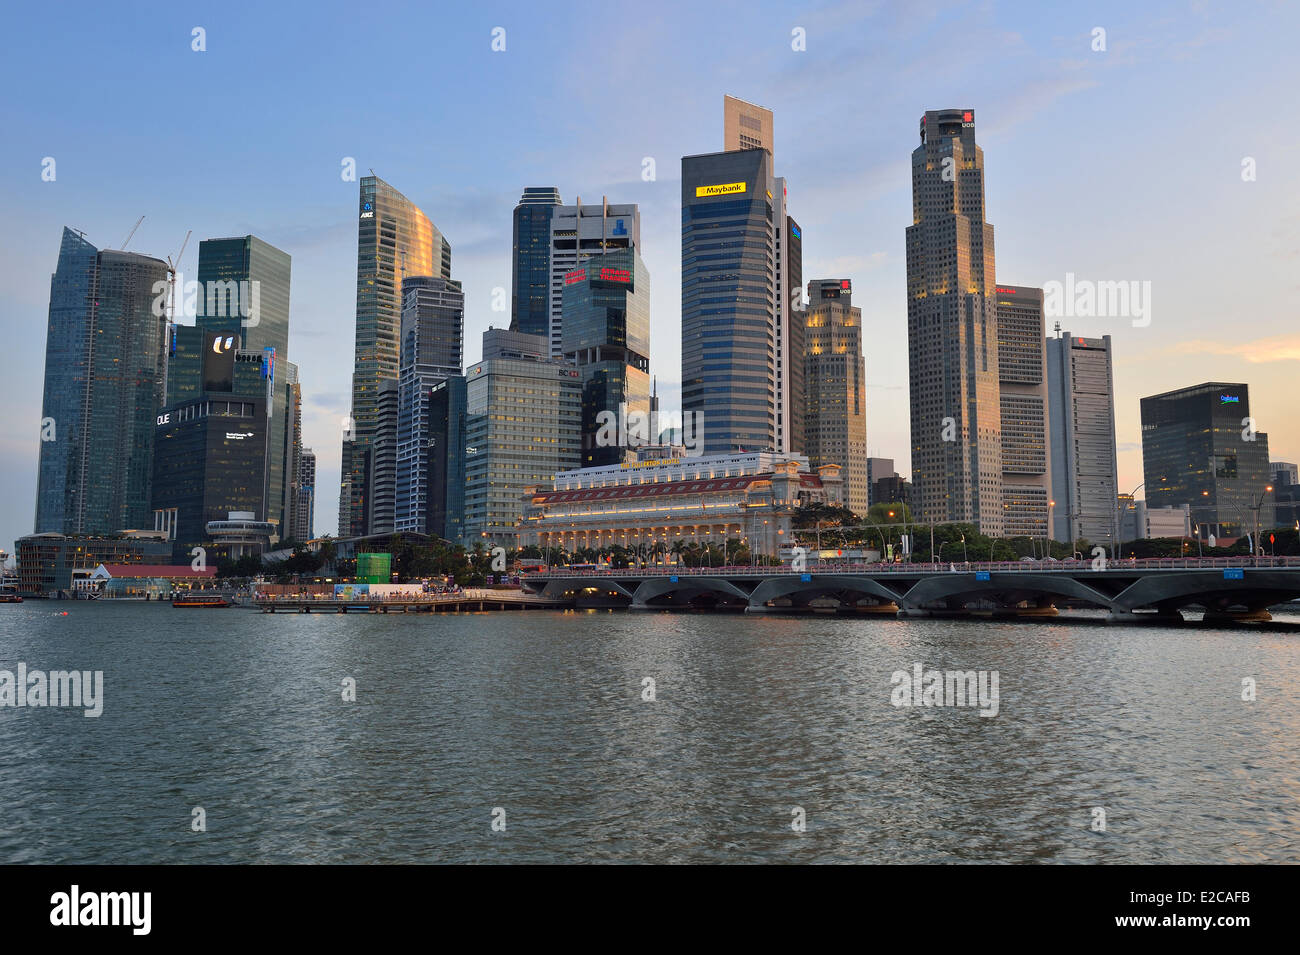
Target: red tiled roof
(158, 570)
(663, 489)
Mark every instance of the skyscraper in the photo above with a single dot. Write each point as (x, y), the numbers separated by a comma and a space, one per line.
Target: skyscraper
(729, 303)
(530, 264)
(607, 336)
(394, 239)
(433, 322)
(745, 126)
(1022, 379)
(522, 425)
(1081, 413)
(835, 424)
(304, 528)
(577, 233)
(105, 361)
(952, 330)
(231, 446)
(791, 396)
(1200, 448)
(742, 363)
(240, 268)
(447, 453)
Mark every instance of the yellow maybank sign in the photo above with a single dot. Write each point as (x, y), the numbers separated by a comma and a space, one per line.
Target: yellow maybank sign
(724, 189)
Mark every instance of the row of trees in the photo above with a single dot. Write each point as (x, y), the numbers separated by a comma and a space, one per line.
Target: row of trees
(838, 527)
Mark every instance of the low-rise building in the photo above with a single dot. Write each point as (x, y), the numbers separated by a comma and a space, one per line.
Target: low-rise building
(709, 499)
(48, 564)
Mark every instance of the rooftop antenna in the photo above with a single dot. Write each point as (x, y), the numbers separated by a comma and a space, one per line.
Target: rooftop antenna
(1058, 329)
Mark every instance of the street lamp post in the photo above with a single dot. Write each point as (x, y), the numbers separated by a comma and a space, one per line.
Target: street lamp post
(1119, 523)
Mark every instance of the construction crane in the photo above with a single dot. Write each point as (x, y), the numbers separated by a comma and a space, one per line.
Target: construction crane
(171, 278)
(131, 234)
(170, 328)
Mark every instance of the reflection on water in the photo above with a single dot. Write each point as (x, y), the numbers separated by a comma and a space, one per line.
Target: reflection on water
(542, 715)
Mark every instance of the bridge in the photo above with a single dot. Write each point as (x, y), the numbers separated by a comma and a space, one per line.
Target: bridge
(1226, 588)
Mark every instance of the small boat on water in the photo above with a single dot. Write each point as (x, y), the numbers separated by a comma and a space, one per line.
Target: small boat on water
(200, 600)
(9, 596)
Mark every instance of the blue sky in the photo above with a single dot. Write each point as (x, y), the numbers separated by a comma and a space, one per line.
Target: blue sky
(1115, 165)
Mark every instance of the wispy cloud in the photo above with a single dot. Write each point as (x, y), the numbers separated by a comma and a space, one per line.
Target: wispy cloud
(1258, 351)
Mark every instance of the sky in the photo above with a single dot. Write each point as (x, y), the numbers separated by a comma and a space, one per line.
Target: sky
(1165, 157)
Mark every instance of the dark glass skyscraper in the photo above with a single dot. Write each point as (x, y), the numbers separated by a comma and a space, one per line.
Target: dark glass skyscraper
(729, 304)
(530, 266)
(243, 298)
(1200, 448)
(104, 367)
(606, 333)
(394, 239)
(433, 322)
(234, 265)
(446, 497)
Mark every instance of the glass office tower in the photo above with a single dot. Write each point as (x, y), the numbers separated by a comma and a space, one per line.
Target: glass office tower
(394, 239)
(729, 305)
(606, 334)
(447, 452)
(104, 368)
(1200, 448)
(233, 270)
(433, 321)
(530, 264)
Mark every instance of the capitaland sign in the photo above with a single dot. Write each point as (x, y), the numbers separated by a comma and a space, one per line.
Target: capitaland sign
(722, 189)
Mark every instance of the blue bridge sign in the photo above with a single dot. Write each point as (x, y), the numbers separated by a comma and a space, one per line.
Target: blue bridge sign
(1234, 573)
(981, 575)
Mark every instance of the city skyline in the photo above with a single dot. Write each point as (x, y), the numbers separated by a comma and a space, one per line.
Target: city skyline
(1187, 326)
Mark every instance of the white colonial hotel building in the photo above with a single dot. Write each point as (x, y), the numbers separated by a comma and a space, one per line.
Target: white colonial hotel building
(750, 497)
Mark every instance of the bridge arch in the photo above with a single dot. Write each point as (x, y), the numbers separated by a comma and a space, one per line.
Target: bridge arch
(820, 585)
(963, 588)
(685, 589)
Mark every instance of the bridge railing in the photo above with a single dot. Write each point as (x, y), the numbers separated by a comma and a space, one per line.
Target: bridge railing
(928, 567)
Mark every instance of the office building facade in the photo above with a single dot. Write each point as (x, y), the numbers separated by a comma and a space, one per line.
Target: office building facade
(394, 239)
(105, 365)
(447, 453)
(523, 423)
(729, 300)
(1023, 406)
(530, 261)
(606, 335)
(577, 233)
(1081, 410)
(835, 422)
(433, 326)
(1200, 449)
(878, 468)
(304, 514)
(952, 330)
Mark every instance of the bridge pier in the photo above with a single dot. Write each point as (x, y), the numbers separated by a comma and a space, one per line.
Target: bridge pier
(1119, 615)
(1237, 616)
